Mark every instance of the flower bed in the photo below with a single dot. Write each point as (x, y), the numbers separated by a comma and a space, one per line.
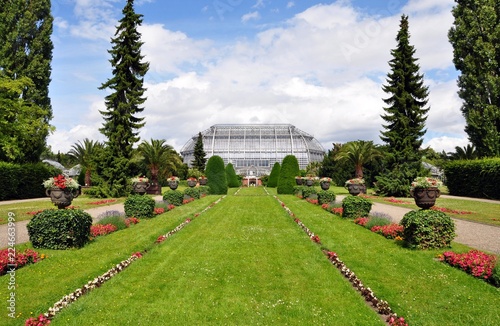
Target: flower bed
(131, 220)
(474, 262)
(391, 231)
(102, 202)
(97, 230)
(451, 211)
(12, 259)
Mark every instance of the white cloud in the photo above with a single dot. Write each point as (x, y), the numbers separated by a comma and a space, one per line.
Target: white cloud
(290, 4)
(254, 15)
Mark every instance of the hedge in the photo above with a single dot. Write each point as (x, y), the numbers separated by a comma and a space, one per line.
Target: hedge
(216, 176)
(286, 180)
(473, 178)
(273, 177)
(22, 181)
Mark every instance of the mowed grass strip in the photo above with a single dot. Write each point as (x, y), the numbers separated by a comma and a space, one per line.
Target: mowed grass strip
(41, 285)
(416, 285)
(243, 262)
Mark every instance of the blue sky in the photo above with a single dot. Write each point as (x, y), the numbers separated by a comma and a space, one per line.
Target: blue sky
(317, 65)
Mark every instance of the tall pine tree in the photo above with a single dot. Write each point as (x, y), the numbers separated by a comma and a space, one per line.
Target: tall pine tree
(199, 154)
(26, 52)
(124, 103)
(475, 38)
(405, 117)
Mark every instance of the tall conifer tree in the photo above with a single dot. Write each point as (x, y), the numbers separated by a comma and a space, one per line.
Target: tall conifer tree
(405, 117)
(475, 38)
(121, 123)
(199, 154)
(26, 52)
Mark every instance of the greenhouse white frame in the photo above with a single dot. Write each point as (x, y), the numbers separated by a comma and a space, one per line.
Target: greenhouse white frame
(254, 148)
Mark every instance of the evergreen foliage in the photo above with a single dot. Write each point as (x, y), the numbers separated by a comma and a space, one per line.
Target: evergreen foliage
(174, 197)
(476, 55)
(274, 175)
(121, 123)
(338, 171)
(159, 158)
(22, 181)
(427, 229)
(85, 154)
(200, 159)
(405, 116)
(140, 206)
(25, 59)
(231, 177)
(216, 176)
(289, 170)
(355, 206)
(326, 197)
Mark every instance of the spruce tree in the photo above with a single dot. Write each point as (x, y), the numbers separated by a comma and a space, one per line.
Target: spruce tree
(289, 170)
(121, 123)
(199, 154)
(475, 37)
(405, 117)
(274, 175)
(26, 52)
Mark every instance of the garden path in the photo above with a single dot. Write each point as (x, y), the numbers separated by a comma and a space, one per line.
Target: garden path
(476, 235)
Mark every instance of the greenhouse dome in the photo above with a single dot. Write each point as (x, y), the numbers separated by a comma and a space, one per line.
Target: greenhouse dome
(254, 148)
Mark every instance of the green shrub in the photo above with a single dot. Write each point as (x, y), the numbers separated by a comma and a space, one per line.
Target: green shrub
(117, 220)
(174, 197)
(326, 197)
(192, 192)
(377, 220)
(308, 191)
(355, 206)
(474, 178)
(495, 277)
(427, 229)
(289, 170)
(139, 206)
(298, 190)
(273, 177)
(231, 177)
(216, 175)
(204, 190)
(60, 229)
(21, 181)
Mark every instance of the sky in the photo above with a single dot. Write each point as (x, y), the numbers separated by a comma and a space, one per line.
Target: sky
(318, 65)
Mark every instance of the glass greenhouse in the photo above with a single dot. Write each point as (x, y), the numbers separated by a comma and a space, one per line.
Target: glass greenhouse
(254, 148)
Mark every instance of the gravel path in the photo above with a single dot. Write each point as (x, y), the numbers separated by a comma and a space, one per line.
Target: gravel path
(476, 235)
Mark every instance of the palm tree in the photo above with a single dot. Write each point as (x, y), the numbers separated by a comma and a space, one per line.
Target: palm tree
(160, 158)
(359, 153)
(84, 153)
(466, 153)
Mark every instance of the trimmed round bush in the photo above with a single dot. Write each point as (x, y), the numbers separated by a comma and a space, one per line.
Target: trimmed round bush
(272, 182)
(355, 206)
(307, 192)
(216, 175)
(192, 192)
(427, 229)
(325, 197)
(139, 206)
(60, 229)
(286, 180)
(174, 197)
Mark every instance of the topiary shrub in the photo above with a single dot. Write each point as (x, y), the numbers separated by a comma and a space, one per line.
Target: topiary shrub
(427, 229)
(216, 175)
(60, 229)
(286, 180)
(231, 177)
(192, 192)
(273, 177)
(325, 197)
(139, 206)
(307, 192)
(355, 206)
(204, 190)
(174, 197)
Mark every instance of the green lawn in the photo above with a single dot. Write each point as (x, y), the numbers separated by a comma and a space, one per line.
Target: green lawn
(246, 262)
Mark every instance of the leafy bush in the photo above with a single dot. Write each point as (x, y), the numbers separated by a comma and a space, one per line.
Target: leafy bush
(325, 197)
(174, 197)
(427, 229)
(139, 206)
(473, 178)
(273, 177)
(355, 206)
(60, 229)
(216, 175)
(298, 190)
(231, 177)
(307, 192)
(192, 192)
(495, 276)
(289, 170)
(204, 190)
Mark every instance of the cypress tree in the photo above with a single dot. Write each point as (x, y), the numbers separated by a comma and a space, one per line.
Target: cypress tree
(26, 52)
(121, 123)
(405, 117)
(289, 170)
(199, 154)
(475, 37)
(216, 176)
(232, 178)
(274, 175)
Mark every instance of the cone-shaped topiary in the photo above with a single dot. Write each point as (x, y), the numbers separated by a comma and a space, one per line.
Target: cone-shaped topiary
(289, 170)
(216, 176)
(273, 177)
(232, 178)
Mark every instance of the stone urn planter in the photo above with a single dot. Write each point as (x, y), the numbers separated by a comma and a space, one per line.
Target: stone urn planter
(356, 189)
(141, 187)
(62, 198)
(298, 181)
(191, 183)
(202, 181)
(173, 184)
(425, 198)
(309, 182)
(325, 185)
